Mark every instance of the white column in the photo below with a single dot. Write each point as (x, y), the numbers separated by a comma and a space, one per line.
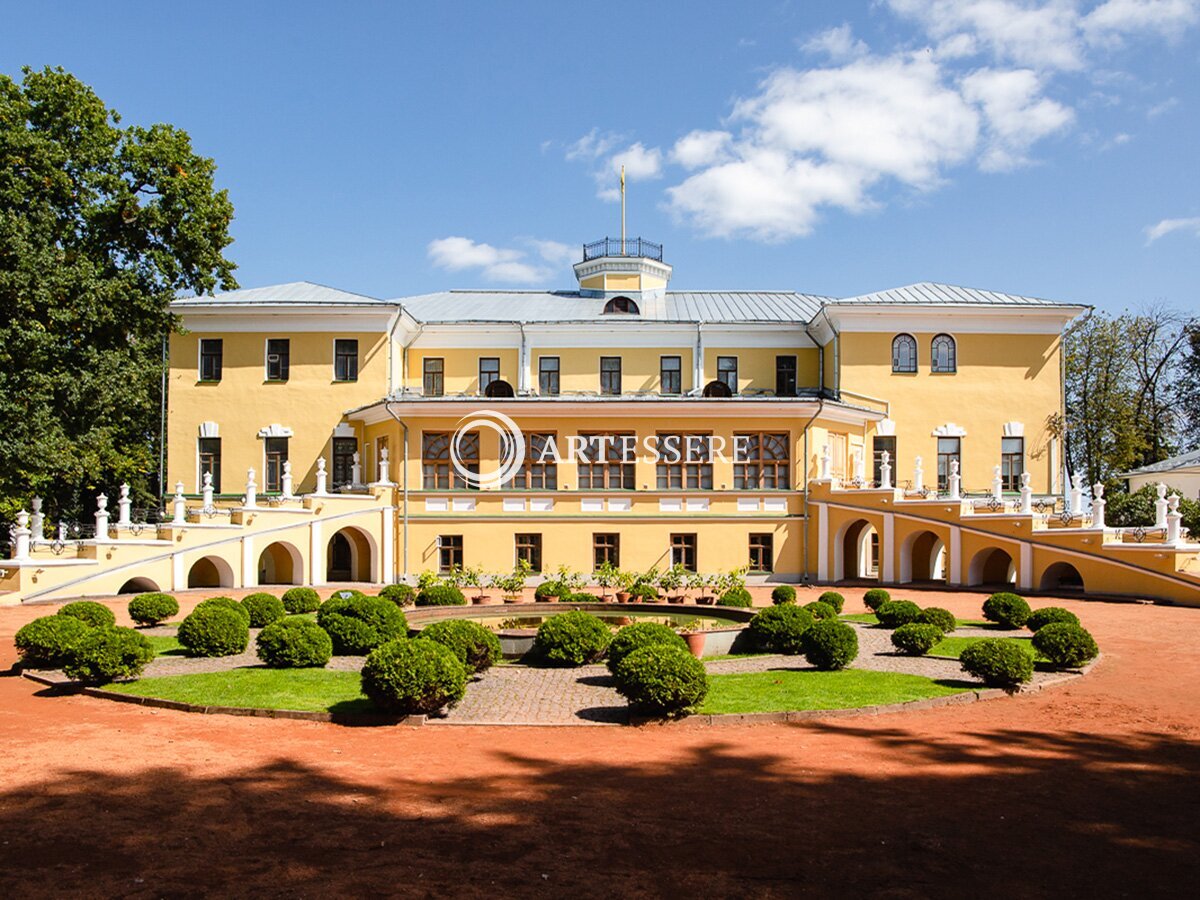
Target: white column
(207, 491)
(997, 484)
(179, 505)
(822, 542)
(387, 548)
(322, 477)
(37, 521)
(21, 536)
(889, 548)
(1160, 506)
(316, 554)
(885, 471)
(954, 576)
(918, 476)
(1026, 495)
(954, 481)
(123, 504)
(1025, 567)
(101, 518)
(1098, 504)
(1174, 517)
(826, 463)
(285, 480)
(249, 562)
(250, 501)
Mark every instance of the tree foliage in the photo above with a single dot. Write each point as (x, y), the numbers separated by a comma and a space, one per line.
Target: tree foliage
(101, 225)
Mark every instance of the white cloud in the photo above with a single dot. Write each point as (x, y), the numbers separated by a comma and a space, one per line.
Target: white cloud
(1162, 108)
(701, 148)
(839, 44)
(507, 265)
(593, 145)
(1111, 21)
(1167, 226)
(599, 149)
(1016, 115)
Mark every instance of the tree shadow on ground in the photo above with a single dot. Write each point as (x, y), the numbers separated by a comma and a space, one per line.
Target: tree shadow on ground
(1003, 813)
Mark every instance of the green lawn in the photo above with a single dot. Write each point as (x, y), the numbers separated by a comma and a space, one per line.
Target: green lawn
(165, 645)
(720, 656)
(299, 689)
(954, 646)
(790, 690)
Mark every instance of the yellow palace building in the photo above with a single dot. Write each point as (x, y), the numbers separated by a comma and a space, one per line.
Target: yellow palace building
(317, 436)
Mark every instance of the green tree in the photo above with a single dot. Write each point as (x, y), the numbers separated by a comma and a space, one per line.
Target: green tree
(1189, 386)
(101, 225)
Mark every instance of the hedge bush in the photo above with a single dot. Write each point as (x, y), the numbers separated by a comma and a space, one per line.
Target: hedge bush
(476, 647)
(783, 593)
(875, 597)
(780, 629)
(413, 676)
(1040, 618)
(644, 592)
(45, 642)
(214, 629)
(821, 610)
(1067, 646)
(997, 663)
(361, 624)
(263, 609)
(400, 594)
(738, 597)
(662, 679)
(225, 603)
(153, 608)
(582, 597)
(834, 599)
(97, 615)
(916, 638)
(441, 595)
(639, 635)
(347, 594)
(942, 618)
(1009, 610)
(294, 642)
(301, 600)
(108, 653)
(895, 613)
(547, 589)
(571, 639)
(830, 644)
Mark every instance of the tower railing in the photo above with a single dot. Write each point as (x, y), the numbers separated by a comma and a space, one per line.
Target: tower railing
(617, 247)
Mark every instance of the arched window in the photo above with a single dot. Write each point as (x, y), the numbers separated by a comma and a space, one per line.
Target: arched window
(621, 305)
(943, 354)
(904, 353)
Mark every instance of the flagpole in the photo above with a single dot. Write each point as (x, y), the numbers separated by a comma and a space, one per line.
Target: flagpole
(622, 210)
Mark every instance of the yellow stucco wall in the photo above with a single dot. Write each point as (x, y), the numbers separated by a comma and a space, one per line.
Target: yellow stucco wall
(460, 367)
(579, 367)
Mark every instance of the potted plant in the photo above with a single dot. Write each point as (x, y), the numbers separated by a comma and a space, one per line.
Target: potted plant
(625, 582)
(645, 587)
(671, 581)
(512, 586)
(572, 581)
(426, 580)
(699, 582)
(694, 633)
(606, 577)
(472, 576)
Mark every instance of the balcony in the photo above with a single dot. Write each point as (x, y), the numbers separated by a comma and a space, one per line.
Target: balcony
(614, 247)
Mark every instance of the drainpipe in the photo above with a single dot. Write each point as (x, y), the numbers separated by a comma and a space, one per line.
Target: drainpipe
(523, 372)
(698, 362)
(387, 405)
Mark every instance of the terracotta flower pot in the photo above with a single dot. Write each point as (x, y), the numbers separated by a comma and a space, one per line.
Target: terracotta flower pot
(695, 642)
(678, 598)
(706, 600)
(622, 596)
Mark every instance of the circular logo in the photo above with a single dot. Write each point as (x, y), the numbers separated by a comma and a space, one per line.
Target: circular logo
(512, 448)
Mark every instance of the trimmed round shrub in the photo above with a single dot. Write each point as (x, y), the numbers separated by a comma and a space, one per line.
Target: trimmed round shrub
(214, 630)
(942, 618)
(1040, 618)
(441, 595)
(582, 597)
(834, 599)
(153, 608)
(916, 638)
(360, 624)
(895, 613)
(225, 603)
(783, 593)
(263, 609)
(97, 615)
(294, 642)
(571, 639)
(1009, 610)
(875, 598)
(1067, 646)
(662, 680)
(830, 644)
(639, 635)
(413, 677)
(738, 597)
(301, 600)
(780, 629)
(820, 610)
(547, 590)
(476, 647)
(347, 594)
(400, 594)
(107, 653)
(997, 663)
(44, 643)
(644, 592)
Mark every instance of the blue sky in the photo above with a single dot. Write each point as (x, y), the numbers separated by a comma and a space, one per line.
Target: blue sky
(392, 149)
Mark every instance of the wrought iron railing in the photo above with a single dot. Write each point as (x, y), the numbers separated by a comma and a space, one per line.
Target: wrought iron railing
(617, 247)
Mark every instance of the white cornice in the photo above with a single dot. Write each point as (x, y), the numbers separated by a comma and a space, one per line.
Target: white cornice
(890, 318)
(341, 319)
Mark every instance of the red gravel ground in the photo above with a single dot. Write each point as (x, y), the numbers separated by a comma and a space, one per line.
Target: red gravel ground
(1081, 791)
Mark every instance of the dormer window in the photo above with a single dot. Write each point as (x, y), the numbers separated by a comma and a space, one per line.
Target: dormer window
(622, 306)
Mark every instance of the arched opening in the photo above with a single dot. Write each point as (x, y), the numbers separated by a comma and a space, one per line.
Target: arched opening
(350, 556)
(923, 558)
(992, 567)
(210, 571)
(138, 586)
(717, 389)
(621, 306)
(857, 552)
(280, 563)
(499, 388)
(1061, 576)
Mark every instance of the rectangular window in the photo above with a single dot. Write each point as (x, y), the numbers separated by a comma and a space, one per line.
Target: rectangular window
(529, 548)
(539, 471)
(683, 551)
(278, 358)
(210, 461)
(762, 553)
(948, 449)
(345, 359)
(761, 461)
(671, 374)
(437, 470)
(548, 375)
(277, 454)
(450, 552)
(610, 375)
(344, 449)
(785, 376)
(879, 444)
(489, 371)
(606, 462)
(684, 461)
(433, 377)
(727, 372)
(1012, 462)
(606, 548)
(211, 351)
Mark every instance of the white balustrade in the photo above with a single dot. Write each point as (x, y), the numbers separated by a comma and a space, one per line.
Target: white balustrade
(826, 463)
(322, 476)
(123, 505)
(1077, 495)
(285, 481)
(206, 491)
(1160, 506)
(918, 476)
(1026, 495)
(180, 505)
(1174, 518)
(37, 521)
(21, 536)
(384, 465)
(250, 501)
(860, 475)
(356, 471)
(885, 471)
(997, 484)
(101, 517)
(954, 481)
(1098, 504)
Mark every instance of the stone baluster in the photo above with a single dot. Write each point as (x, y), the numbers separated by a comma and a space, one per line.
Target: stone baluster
(356, 470)
(250, 501)
(1174, 518)
(997, 484)
(21, 536)
(207, 491)
(62, 532)
(1098, 504)
(954, 481)
(826, 463)
(285, 480)
(918, 476)
(123, 505)
(180, 505)
(859, 469)
(322, 476)
(101, 518)
(885, 471)
(1026, 495)
(384, 478)
(37, 521)
(1077, 494)
(1160, 506)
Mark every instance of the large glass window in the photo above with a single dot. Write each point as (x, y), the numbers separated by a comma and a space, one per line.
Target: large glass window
(437, 471)
(489, 371)
(606, 548)
(344, 449)
(944, 355)
(433, 377)
(211, 351)
(949, 449)
(684, 461)
(671, 374)
(606, 462)
(529, 548)
(548, 375)
(879, 444)
(345, 359)
(278, 358)
(450, 552)
(1012, 462)
(785, 376)
(610, 375)
(683, 551)
(727, 372)
(904, 353)
(277, 454)
(210, 461)
(539, 471)
(761, 461)
(762, 552)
